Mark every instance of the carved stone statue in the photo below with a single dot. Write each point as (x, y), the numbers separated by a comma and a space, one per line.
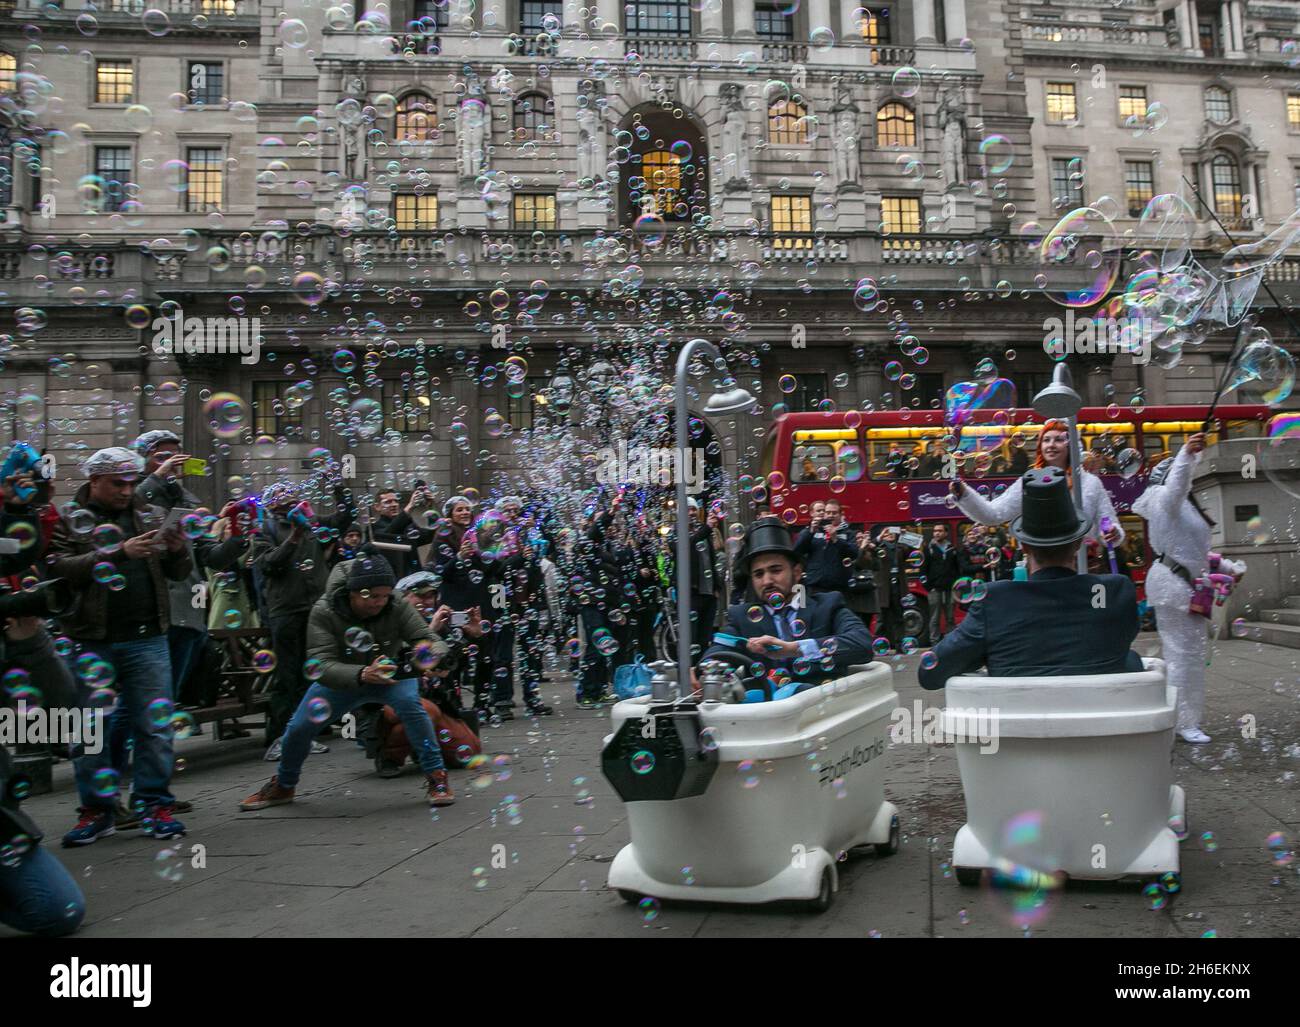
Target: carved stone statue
(845, 149)
(592, 154)
(735, 145)
(952, 123)
(472, 128)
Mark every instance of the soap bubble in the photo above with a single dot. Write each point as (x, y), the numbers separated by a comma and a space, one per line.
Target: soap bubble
(907, 82)
(1080, 258)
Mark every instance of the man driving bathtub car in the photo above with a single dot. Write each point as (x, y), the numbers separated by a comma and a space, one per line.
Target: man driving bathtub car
(809, 638)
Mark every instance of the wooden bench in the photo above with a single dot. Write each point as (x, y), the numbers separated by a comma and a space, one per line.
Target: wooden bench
(244, 690)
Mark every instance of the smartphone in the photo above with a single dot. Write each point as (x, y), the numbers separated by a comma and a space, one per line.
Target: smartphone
(174, 516)
(459, 619)
(195, 467)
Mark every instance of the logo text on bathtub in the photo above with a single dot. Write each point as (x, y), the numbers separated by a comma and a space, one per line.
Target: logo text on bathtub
(860, 756)
(925, 725)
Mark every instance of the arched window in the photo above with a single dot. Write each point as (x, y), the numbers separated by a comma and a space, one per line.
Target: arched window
(534, 116)
(417, 118)
(895, 125)
(8, 70)
(1225, 179)
(662, 172)
(1218, 104)
(784, 124)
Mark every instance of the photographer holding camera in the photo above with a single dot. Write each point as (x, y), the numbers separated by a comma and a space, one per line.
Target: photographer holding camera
(120, 569)
(827, 548)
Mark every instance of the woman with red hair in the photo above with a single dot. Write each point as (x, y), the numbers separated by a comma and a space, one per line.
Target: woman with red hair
(1053, 451)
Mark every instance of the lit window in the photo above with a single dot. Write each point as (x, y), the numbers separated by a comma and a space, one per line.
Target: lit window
(271, 415)
(1218, 104)
(535, 211)
(206, 178)
(114, 81)
(895, 125)
(1293, 110)
(1132, 102)
(407, 407)
(1139, 185)
(875, 25)
(1225, 177)
(900, 215)
(784, 124)
(8, 71)
(415, 213)
(1062, 105)
(662, 172)
(416, 118)
(792, 219)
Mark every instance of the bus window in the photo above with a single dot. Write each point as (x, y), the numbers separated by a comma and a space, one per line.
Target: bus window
(812, 462)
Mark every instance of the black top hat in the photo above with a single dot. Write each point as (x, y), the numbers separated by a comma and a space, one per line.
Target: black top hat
(1048, 515)
(766, 536)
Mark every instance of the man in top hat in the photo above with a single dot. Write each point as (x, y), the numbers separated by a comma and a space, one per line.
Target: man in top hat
(1056, 622)
(807, 637)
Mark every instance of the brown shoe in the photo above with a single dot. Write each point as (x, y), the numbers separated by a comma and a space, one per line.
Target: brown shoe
(270, 794)
(440, 793)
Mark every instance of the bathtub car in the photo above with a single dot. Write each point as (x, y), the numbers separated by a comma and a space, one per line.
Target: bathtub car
(767, 822)
(1082, 779)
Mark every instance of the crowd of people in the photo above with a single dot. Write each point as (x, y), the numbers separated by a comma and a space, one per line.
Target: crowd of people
(424, 624)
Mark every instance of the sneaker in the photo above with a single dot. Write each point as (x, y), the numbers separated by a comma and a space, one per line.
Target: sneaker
(440, 793)
(608, 699)
(585, 703)
(125, 819)
(387, 768)
(504, 713)
(318, 747)
(181, 806)
(92, 825)
(160, 823)
(537, 709)
(1194, 735)
(273, 753)
(270, 794)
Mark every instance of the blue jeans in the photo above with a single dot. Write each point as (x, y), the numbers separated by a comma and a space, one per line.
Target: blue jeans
(144, 673)
(39, 896)
(184, 644)
(403, 696)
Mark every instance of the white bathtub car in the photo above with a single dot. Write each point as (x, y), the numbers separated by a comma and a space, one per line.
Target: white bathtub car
(1081, 781)
(797, 781)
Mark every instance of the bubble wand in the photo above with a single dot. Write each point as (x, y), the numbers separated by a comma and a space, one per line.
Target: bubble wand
(1243, 331)
(1106, 525)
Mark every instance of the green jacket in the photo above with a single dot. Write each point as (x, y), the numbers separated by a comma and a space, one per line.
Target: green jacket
(395, 630)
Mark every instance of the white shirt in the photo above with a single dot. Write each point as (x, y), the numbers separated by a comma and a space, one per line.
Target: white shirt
(1008, 506)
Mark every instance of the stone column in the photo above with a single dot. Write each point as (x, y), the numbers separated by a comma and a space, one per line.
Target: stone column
(869, 370)
(1186, 37)
(494, 16)
(819, 14)
(923, 21)
(1226, 41)
(1238, 29)
(609, 11)
(743, 13)
(954, 20)
(850, 27)
(1193, 26)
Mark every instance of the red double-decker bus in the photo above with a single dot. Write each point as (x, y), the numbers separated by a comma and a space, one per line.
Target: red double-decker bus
(887, 467)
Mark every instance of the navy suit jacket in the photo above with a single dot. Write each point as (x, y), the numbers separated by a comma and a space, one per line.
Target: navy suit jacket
(1048, 625)
(825, 616)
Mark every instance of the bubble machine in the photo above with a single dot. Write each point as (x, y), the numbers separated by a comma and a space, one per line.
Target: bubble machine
(1080, 782)
(752, 803)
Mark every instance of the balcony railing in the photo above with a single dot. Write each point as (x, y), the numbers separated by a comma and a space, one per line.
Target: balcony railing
(785, 53)
(1103, 35)
(660, 49)
(417, 43)
(116, 10)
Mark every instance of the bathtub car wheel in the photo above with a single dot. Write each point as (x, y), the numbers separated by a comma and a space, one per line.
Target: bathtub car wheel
(968, 877)
(628, 896)
(825, 892)
(890, 847)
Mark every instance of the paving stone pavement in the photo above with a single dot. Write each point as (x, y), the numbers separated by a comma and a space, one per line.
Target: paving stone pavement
(357, 855)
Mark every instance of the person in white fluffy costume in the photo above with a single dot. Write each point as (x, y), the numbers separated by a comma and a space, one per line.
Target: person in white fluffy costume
(1177, 584)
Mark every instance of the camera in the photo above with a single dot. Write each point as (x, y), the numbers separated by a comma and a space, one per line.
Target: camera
(46, 599)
